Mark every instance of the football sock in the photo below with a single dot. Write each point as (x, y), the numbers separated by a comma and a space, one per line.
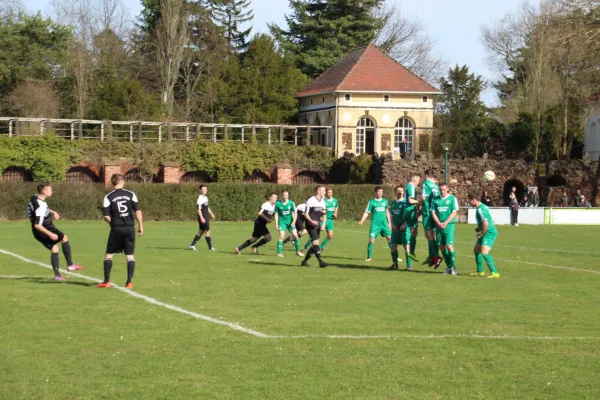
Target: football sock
(245, 244)
(208, 241)
(479, 262)
(413, 245)
(66, 248)
(408, 259)
(316, 250)
(130, 269)
(395, 257)
(369, 250)
(107, 268)
(446, 256)
(297, 244)
(490, 263)
(287, 240)
(308, 244)
(324, 243)
(432, 248)
(196, 238)
(308, 254)
(261, 242)
(54, 262)
(279, 247)
(453, 259)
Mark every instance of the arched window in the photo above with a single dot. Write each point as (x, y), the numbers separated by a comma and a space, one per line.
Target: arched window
(365, 136)
(404, 130)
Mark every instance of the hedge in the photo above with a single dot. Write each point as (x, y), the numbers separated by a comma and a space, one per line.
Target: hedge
(162, 202)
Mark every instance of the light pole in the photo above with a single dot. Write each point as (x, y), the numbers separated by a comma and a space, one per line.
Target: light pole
(446, 146)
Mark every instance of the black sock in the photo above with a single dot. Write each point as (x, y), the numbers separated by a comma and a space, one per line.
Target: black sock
(130, 269)
(245, 244)
(196, 238)
(317, 252)
(107, 268)
(54, 262)
(66, 248)
(261, 242)
(208, 242)
(308, 254)
(287, 239)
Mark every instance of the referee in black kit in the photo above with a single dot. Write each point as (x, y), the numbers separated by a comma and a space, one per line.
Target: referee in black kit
(120, 205)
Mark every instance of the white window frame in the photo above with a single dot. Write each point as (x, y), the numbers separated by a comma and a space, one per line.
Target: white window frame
(348, 97)
(362, 125)
(405, 131)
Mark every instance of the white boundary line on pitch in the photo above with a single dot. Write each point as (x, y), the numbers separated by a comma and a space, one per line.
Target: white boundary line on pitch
(266, 336)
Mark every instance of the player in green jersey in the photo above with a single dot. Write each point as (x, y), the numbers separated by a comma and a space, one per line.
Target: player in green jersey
(332, 206)
(285, 219)
(486, 236)
(429, 193)
(443, 212)
(411, 217)
(398, 226)
(380, 220)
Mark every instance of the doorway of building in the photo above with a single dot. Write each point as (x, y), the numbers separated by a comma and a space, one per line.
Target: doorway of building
(365, 136)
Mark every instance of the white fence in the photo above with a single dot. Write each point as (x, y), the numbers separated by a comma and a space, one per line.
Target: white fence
(543, 216)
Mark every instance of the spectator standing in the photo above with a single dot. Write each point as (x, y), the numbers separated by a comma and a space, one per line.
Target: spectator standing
(513, 204)
(534, 198)
(403, 147)
(564, 200)
(580, 200)
(485, 199)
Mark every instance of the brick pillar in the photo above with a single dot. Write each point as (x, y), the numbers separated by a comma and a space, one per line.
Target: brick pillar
(110, 168)
(283, 174)
(172, 172)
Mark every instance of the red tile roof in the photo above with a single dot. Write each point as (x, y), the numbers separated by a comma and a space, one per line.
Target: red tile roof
(368, 69)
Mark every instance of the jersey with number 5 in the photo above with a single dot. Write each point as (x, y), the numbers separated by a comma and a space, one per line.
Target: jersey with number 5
(120, 205)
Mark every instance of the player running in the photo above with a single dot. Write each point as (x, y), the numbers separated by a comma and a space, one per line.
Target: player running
(411, 217)
(486, 236)
(300, 229)
(46, 233)
(429, 193)
(265, 216)
(380, 220)
(119, 207)
(203, 211)
(443, 212)
(332, 212)
(285, 219)
(398, 227)
(315, 212)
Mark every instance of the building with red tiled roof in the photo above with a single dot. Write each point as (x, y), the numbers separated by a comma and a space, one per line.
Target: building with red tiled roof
(369, 103)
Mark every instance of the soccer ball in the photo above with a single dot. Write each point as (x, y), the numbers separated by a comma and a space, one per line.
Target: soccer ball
(489, 176)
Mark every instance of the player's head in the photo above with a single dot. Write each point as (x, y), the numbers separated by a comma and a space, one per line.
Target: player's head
(45, 189)
(444, 188)
(273, 198)
(329, 193)
(415, 179)
(429, 174)
(285, 195)
(203, 189)
(117, 180)
(473, 200)
(399, 191)
(378, 192)
(320, 190)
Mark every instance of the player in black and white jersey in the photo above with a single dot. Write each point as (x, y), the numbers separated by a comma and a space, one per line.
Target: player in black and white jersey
(314, 214)
(265, 216)
(203, 211)
(44, 231)
(300, 229)
(119, 208)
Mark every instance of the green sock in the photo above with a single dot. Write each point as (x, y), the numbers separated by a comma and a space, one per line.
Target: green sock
(369, 250)
(324, 243)
(308, 244)
(395, 257)
(297, 244)
(279, 247)
(413, 245)
(446, 256)
(453, 259)
(408, 259)
(490, 263)
(479, 262)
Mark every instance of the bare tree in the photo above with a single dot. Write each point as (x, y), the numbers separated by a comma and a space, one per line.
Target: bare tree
(9, 9)
(35, 99)
(405, 39)
(172, 35)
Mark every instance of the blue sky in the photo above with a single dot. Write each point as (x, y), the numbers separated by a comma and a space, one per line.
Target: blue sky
(454, 25)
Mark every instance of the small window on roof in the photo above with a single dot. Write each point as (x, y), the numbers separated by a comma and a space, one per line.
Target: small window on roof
(323, 99)
(311, 101)
(386, 98)
(348, 97)
(425, 99)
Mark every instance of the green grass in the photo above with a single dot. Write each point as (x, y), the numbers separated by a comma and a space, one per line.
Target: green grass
(71, 340)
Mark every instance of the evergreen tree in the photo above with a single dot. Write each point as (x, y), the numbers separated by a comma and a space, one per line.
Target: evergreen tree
(322, 31)
(229, 15)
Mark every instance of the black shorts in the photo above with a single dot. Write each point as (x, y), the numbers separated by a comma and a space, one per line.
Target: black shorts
(121, 239)
(204, 226)
(260, 230)
(300, 223)
(45, 240)
(314, 232)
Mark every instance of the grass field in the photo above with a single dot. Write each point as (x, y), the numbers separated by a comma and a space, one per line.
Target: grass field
(350, 331)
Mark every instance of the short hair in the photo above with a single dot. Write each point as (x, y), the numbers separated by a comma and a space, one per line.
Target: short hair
(115, 179)
(202, 187)
(42, 185)
(328, 189)
(398, 187)
(273, 194)
(285, 191)
(445, 184)
(378, 188)
(472, 196)
(429, 172)
(318, 187)
(414, 175)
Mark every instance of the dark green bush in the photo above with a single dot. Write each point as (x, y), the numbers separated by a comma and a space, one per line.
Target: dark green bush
(159, 202)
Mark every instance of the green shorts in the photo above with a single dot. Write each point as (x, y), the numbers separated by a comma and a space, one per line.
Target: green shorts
(286, 226)
(429, 222)
(377, 230)
(446, 236)
(488, 239)
(411, 219)
(399, 237)
(329, 225)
